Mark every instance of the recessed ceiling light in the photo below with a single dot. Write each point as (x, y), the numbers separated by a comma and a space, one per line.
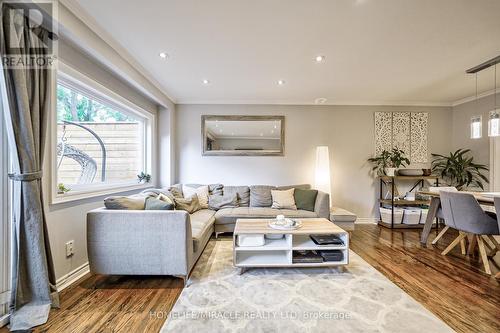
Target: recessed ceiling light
(163, 55)
(281, 82)
(205, 81)
(261, 134)
(320, 58)
(320, 100)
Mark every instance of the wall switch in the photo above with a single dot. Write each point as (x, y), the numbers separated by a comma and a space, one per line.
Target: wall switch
(70, 248)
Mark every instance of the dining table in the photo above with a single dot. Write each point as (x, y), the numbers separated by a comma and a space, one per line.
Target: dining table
(482, 198)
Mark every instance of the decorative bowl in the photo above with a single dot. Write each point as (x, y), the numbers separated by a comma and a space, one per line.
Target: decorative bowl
(410, 172)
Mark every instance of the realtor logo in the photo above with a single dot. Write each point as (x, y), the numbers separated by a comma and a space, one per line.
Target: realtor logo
(29, 36)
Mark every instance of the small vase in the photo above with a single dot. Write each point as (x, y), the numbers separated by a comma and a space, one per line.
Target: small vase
(391, 172)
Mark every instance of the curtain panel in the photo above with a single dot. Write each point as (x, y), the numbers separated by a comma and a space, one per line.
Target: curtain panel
(25, 98)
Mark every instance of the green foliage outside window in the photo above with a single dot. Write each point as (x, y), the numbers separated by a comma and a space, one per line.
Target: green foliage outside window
(72, 106)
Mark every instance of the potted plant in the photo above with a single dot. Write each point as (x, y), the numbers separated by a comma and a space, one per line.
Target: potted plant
(459, 170)
(62, 189)
(398, 160)
(144, 177)
(389, 161)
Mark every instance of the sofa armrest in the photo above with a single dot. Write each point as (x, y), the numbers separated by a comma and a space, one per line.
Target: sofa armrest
(322, 205)
(138, 242)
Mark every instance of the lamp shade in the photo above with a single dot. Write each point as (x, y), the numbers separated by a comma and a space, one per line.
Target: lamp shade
(322, 175)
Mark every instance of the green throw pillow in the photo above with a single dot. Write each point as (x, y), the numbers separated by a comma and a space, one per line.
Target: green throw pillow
(305, 199)
(157, 204)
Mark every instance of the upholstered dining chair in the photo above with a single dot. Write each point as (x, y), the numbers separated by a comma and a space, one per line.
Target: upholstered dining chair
(462, 212)
(440, 215)
(497, 209)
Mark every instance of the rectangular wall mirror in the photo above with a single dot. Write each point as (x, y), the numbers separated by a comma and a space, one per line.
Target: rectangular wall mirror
(243, 135)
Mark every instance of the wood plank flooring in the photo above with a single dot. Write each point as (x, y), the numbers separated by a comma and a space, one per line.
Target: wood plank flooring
(452, 287)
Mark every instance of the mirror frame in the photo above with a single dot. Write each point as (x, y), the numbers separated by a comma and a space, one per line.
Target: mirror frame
(206, 152)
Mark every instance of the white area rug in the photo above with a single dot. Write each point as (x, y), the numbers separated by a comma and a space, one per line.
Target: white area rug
(360, 299)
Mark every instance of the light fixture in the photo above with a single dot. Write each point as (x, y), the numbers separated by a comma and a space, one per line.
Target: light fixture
(163, 55)
(322, 175)
(476, 127)
(320, 58)
(320, 100)
(281, 82)
(205, 81)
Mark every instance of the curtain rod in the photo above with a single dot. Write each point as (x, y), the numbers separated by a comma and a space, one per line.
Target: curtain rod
(484, 65)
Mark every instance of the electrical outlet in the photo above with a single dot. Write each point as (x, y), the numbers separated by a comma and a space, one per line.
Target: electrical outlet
(70, 248)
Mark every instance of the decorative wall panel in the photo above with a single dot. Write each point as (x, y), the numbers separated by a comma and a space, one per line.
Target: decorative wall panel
(419, 122)
(383, 131)
(403, 130)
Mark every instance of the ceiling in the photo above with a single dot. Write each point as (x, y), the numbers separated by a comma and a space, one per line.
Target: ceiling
(377, 51)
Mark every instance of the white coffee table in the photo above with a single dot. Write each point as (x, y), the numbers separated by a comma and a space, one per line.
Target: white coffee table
(279, 252)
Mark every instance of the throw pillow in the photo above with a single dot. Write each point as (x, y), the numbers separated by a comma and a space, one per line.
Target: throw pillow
(132, 202)
(283, 199)
(190, 205)
(166, 198)
(201, 192)
(305, 199)
(156, 204)
(243, 193)
(216, 202)
(176, 192)
(260, 195)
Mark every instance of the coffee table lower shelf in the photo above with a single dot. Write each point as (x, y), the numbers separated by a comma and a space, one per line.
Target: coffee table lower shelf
(279, 253)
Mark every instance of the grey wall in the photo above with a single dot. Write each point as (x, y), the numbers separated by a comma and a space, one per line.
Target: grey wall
(347, 130)
(461, 127)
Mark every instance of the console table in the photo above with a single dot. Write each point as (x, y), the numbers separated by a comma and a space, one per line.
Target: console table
(279, 252)
(391, 181)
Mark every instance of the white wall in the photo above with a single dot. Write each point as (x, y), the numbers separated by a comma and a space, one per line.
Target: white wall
(347, 130)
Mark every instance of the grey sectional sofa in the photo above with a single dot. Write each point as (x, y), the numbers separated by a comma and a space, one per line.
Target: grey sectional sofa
(148, 242)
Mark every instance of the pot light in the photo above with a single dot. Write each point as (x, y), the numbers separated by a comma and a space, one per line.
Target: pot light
(320, 100)
(281, 82)
(320, 58)
(205, 81)
(163, 55)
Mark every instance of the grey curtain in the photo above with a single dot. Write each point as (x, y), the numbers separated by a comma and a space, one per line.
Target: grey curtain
(26, 95)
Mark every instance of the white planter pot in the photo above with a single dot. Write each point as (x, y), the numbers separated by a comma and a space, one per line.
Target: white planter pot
(391, 172)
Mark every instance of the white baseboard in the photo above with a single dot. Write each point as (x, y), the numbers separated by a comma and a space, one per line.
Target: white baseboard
(4, 320)
(66, 280)
(366, 220)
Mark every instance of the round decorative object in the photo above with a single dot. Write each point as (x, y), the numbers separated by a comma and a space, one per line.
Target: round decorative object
(410, 172)
(285, 224)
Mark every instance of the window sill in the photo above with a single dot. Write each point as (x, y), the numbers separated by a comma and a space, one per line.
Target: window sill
(97, 192)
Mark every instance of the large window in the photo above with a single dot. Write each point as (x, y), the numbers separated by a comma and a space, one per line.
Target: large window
(100, 144)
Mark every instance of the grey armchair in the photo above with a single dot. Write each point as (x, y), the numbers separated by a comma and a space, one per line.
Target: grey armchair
(462, 212)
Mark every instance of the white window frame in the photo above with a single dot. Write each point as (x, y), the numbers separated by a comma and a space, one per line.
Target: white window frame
(91, 88)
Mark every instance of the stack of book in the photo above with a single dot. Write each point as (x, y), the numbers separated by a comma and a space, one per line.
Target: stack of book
(306, 257)
(326, 240)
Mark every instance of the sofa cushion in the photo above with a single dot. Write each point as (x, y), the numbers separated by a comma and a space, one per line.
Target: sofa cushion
(190, 205)
(131, 202)
(305, 199)
(300, 186)
(214, 189)
(230, 215)
(201, 224)
(260, 195)
(283, 199)
(201, 191)
(216, 202)
(243, 193)
(157, 204)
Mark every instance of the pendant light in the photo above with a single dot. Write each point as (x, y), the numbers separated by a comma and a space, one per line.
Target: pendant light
(494, 119)
(476, 123)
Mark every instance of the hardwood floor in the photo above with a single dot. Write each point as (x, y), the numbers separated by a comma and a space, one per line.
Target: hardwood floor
(452, 287)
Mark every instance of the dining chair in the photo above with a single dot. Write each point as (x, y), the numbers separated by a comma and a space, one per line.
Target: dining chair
(462, 212)
(440, 215)
(497, 209)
